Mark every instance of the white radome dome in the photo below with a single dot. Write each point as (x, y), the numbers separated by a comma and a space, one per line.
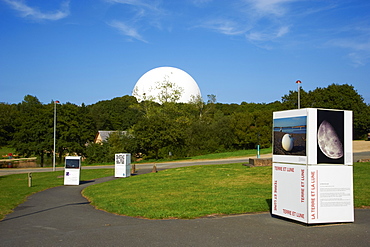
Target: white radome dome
(146, 87)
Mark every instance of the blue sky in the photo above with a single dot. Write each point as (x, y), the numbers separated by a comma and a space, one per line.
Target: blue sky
(239, 50)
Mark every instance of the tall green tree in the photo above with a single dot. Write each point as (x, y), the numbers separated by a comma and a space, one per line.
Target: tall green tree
(75, 129)
(160, 133)
(98, 153)
(8, 113)
(240, 124)
(117, 114)
(33, 128)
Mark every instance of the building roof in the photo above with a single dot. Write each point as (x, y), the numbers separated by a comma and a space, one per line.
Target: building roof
(103, 135)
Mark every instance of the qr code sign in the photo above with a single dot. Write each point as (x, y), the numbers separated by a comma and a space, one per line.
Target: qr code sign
(120, 159)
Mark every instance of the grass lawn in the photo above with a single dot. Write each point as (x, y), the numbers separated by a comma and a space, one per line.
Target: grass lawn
(361, 184)
(239, 153)
(197, 191)
(187, 192)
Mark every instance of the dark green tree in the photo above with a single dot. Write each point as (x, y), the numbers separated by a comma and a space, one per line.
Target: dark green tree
(157, 134)
(33, 128)
(98, 153)
(8, 113)
(117, 114)
(75, 129)
(240, 124)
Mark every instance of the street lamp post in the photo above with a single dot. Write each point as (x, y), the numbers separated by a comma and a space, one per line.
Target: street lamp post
(299, 85)
(55, 130)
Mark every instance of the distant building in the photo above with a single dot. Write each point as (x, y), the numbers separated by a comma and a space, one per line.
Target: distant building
(103, 135)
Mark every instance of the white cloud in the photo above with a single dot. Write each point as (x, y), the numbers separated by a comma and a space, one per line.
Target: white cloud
(359, 49)
(200, 2)
(146, 14)
(139, 3)
(35, 13)
(126, 30)
(268, 7)
(354, 45)
(267, 35)
(282, 31)
(223, 26)
(258, 20)
(355, 38)
(358, 59)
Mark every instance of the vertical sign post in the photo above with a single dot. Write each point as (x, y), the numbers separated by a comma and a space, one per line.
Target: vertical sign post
(299, 89)
(55, 129)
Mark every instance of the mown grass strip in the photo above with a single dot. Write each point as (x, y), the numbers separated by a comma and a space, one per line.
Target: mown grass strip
(361, 184)
(223, 155)
(238, 153)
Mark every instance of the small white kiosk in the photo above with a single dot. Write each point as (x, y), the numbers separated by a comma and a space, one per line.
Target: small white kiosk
(72, 170)
(122, 165)
(312, 177)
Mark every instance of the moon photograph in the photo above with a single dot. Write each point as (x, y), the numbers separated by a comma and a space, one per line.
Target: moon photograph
(290, 136)
(330, 137)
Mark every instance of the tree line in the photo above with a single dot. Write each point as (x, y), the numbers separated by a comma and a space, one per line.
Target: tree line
(157, 131)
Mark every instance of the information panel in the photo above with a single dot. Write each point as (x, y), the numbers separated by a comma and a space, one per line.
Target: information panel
(72, 170)
(330, 194)
(122, 165)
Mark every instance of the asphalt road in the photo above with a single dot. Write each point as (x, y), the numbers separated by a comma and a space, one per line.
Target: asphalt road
(160, 166)
(361, 155)
(166, 165)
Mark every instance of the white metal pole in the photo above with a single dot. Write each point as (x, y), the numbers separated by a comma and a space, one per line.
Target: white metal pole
(55, 125)
(299, 100)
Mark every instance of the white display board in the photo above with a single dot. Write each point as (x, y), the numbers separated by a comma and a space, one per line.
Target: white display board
(72, 170)
(312, 165)
(330, 194)
(313, 194)
(289, 191)
(122, 165)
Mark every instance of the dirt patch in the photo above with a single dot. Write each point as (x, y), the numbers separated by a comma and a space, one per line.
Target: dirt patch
(361, 146)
